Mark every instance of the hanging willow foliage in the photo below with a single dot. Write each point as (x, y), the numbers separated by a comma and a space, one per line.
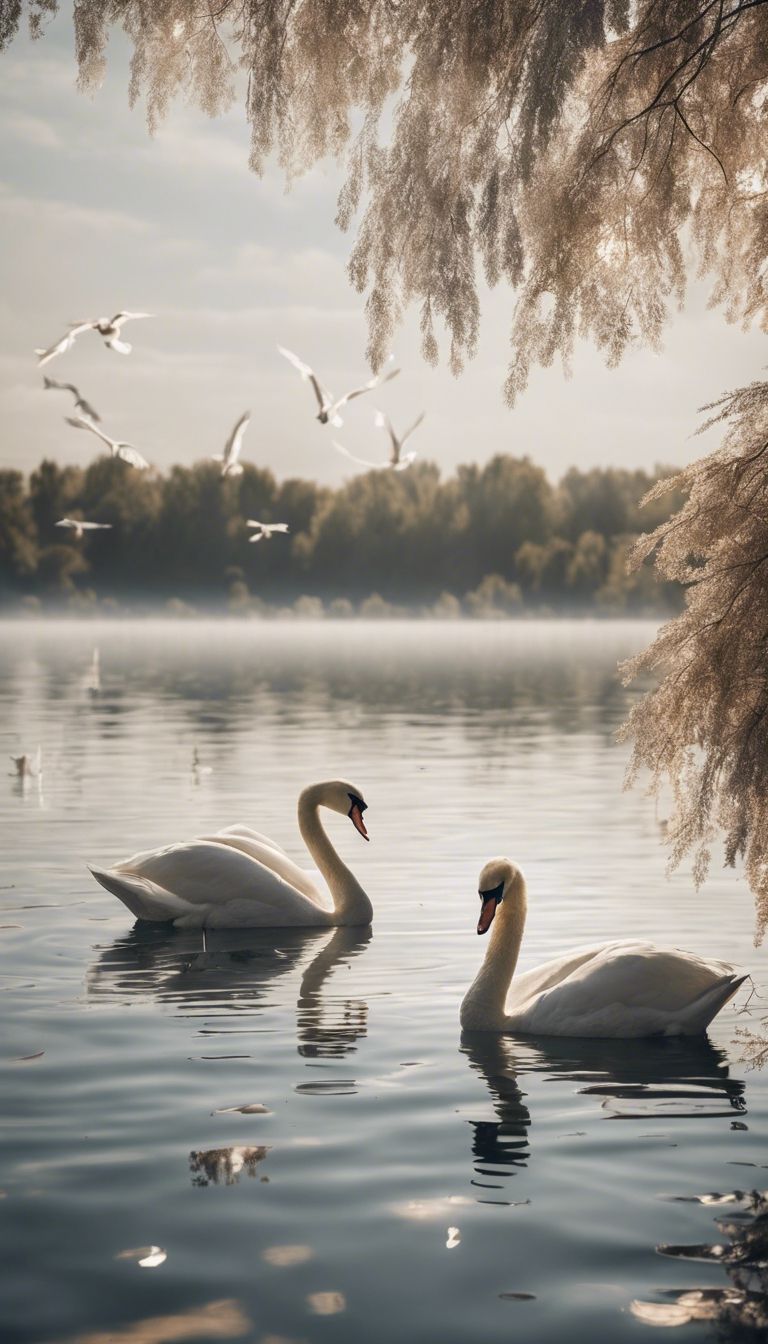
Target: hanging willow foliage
(705, 727)
(562, 148)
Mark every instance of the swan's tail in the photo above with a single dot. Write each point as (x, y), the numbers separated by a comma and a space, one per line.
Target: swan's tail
(143, 898)
(701, 1012)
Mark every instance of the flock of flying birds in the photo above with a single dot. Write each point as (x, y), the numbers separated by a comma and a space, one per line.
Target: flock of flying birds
(328, 412)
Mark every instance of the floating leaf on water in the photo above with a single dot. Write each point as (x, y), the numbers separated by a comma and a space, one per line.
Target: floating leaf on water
(326, 1304)
(454, 1238)
(518, 1297)
(148, 1257)
(252, 1108)
(285, 1257)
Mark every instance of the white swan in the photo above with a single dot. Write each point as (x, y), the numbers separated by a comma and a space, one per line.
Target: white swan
(620, 989)
(239, 878)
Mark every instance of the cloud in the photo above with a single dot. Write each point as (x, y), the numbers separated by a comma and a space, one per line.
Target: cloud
(32, 130)
(16, 205)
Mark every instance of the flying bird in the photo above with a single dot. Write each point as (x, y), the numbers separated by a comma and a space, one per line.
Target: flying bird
(266, 529)
(81, 405)
(329, 406)
(66, 343)
(80, 526)
(230, 465)
(125, 451)
(398, 461)
(108, 327)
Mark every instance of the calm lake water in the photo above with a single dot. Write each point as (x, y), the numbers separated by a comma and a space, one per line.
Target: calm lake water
(406, 1184)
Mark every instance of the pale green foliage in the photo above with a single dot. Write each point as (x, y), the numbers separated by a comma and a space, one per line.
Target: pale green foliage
(705, 726)
(562, 149)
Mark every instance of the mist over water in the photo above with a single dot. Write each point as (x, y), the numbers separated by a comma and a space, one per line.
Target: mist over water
(283, 1134)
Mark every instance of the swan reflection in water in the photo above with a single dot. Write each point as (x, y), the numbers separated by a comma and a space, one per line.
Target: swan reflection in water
(235, 974)
(673, 1078)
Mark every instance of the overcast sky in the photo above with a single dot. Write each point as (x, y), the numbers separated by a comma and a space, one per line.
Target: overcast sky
(96, 216)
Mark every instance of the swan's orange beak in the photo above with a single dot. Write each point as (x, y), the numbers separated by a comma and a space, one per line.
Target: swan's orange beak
(356, 817)
(490, 901)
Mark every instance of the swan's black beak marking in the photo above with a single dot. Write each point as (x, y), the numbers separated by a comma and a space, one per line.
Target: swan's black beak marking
(355, 814)
(490, 900)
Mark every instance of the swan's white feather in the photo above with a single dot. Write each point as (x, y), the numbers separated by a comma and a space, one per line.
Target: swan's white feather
(621, 989)
(264, 852)
(208, 883)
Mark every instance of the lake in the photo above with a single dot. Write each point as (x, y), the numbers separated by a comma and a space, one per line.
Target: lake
(405, 1183)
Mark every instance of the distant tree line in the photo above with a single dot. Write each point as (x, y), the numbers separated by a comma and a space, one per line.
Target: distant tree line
(492, 540)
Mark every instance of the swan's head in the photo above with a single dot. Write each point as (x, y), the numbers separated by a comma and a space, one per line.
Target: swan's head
(343, 797)
(495, 882)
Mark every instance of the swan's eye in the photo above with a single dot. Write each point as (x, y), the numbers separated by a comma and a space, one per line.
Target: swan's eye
(493, 894)
(357, 802)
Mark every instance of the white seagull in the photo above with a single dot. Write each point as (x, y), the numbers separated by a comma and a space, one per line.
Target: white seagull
(398, 461)
(125, 451)
(108, 327)
(80, 526)
(230, 465)
(266, 529)
(329, 406)
(81, 405)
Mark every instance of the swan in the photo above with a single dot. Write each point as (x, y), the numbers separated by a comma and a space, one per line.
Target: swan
(620, 989)
(237, 878)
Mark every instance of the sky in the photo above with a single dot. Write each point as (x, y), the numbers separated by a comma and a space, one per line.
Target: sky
(95, 216)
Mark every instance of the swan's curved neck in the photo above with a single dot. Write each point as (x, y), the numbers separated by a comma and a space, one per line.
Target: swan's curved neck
(483, 1006)
(350, 903)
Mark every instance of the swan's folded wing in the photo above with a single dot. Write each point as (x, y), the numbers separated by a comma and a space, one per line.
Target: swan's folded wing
(237, 829)
(527, 984)
(612, 987)
(213, 875)
(265, 853)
